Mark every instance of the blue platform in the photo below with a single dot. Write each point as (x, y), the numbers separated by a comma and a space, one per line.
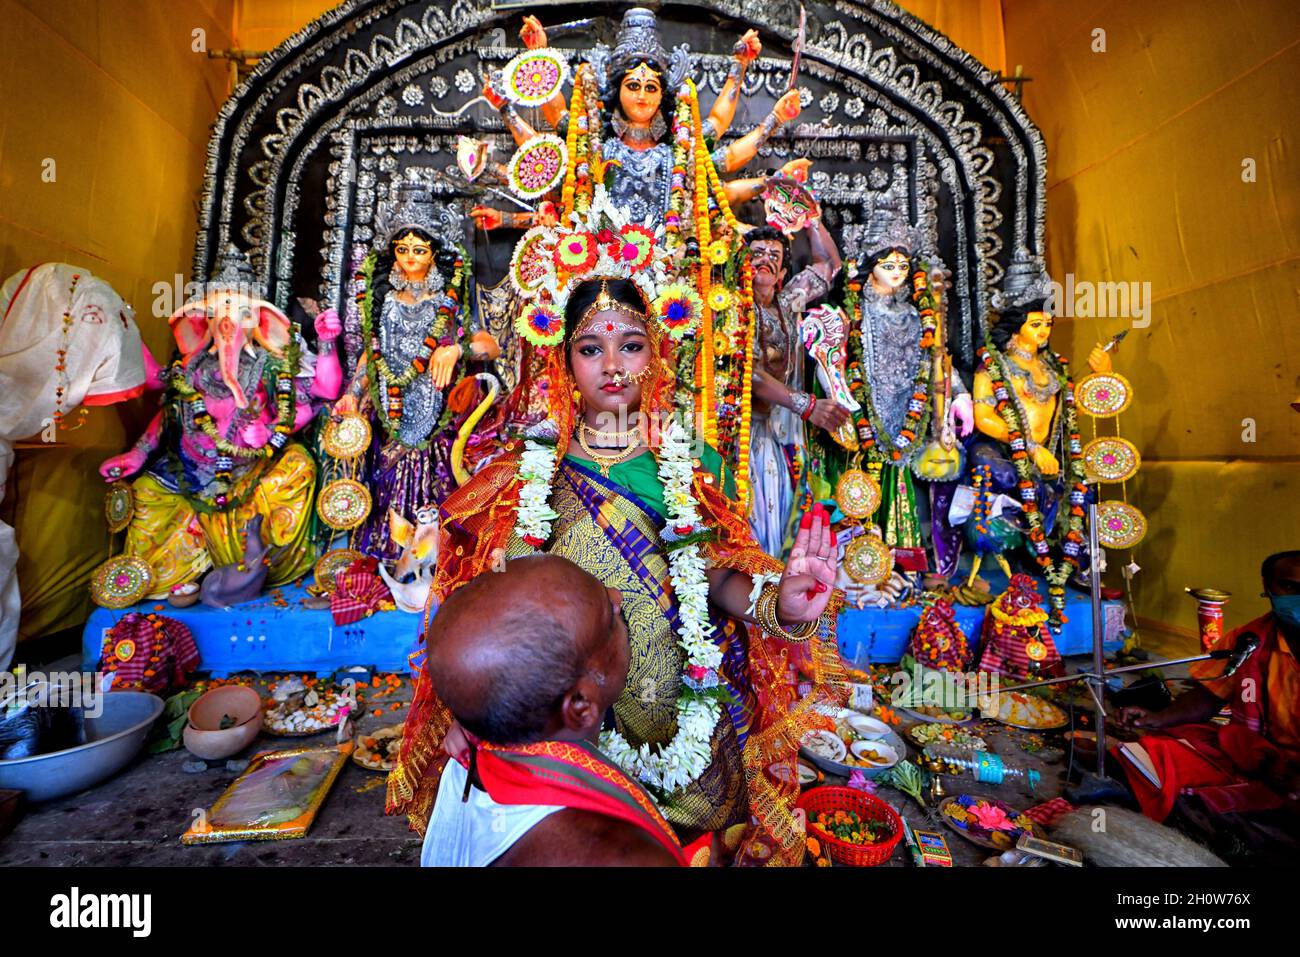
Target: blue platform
(264, 637)
(261, 636)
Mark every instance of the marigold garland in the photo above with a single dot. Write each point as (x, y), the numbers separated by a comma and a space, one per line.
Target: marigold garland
(869, 425)
(747, 383)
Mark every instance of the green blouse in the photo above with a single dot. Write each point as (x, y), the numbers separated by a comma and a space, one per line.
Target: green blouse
(640, 476)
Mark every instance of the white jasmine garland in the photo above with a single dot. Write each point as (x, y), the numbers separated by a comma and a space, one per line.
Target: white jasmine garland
(536, 471)
(685, 758)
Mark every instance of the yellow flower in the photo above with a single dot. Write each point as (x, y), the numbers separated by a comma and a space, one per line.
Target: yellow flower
(718, 252)
(719, 296)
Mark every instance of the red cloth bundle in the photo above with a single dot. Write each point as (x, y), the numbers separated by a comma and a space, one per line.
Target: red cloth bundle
(358, 592)
(149, 653)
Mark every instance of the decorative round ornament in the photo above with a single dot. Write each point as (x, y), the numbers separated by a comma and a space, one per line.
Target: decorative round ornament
(678, 309)
(348, 437)
(1110, 459)
(330, 564)
(1120, 525)
(119, 506)
(719, 300)
(857, 494)
(121, 582)
(1035, 650)
(124, 650)
(538, 166)
(540, 324)
(534, 77)
(868, 560)
(530, 266)
(636, 246)
(1103, 395)
(577, 253)
(343, 504)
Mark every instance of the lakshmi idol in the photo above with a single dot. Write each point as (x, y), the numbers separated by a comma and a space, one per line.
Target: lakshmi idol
(612, 481)
(415, 350)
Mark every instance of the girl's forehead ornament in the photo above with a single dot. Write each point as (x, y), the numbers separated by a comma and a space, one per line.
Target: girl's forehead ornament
(610, 328)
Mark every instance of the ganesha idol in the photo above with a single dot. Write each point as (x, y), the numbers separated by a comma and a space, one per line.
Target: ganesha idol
(221, 450)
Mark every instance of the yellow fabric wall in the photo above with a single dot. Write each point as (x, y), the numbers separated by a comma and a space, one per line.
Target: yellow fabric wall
(1145, 148)
(111, 90)
(262, 25)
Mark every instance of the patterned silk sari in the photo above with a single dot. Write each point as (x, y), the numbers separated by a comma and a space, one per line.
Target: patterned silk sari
(611, 528)
(614, 535)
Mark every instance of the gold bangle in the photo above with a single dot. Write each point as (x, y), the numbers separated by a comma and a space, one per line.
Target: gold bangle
(765, 614)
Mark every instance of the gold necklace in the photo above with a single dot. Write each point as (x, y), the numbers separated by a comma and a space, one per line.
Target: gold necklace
(606, 462)
(609, 436)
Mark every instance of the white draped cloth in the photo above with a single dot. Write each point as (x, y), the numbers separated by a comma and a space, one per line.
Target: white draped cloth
(104, 362)
(476, 831)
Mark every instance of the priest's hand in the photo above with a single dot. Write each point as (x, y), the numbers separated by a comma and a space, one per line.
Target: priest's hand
(456, 745)
(809, 575)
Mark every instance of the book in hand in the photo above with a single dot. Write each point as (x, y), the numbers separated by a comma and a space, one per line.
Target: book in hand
(1140, 759)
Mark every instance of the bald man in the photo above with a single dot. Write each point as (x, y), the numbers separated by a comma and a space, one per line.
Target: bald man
(529, 661)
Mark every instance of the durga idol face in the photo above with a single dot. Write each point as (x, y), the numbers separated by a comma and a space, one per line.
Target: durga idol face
(640, 95)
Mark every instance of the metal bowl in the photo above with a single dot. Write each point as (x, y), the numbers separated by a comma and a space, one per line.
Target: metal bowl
(112, 740)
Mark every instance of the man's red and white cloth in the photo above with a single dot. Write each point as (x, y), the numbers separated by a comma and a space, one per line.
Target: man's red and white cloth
(1229, 767)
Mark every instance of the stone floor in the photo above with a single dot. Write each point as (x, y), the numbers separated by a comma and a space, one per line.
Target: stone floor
(137, 817)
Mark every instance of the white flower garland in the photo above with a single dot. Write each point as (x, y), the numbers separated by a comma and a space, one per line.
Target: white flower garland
(687, 756)
(534, 515)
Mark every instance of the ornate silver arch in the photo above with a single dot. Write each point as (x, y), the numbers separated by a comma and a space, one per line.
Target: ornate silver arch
(294, 162)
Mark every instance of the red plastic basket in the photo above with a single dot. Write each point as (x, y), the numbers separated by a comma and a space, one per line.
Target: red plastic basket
(832, 799)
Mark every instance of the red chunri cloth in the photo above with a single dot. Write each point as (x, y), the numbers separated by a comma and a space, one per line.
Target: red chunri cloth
(131, 644)
(358, 592)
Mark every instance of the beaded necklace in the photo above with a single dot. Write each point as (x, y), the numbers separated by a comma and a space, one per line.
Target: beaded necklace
(1012, 412)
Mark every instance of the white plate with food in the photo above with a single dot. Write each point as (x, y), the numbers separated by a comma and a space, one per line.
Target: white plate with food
(823, 746)
(874, 754)
(872, 729)
(1025, 711)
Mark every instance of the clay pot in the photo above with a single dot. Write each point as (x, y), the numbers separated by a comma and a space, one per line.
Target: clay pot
(205, 738)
